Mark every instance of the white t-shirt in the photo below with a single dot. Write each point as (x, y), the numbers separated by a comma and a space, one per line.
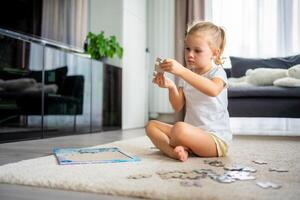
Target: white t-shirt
(205, 112)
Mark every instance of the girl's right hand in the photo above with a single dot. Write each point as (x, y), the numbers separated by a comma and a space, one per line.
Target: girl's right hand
(162, 81)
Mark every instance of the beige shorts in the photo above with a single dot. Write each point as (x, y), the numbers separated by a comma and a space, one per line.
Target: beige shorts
(222, 147)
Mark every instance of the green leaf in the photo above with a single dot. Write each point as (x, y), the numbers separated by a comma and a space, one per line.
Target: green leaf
(100, 46)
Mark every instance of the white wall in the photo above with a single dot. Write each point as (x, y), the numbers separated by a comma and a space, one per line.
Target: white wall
(135, 89)
(127, 20)
(107, 16)
(161, 38)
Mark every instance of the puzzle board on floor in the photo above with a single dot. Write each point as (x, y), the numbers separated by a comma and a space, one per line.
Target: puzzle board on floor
(67, 156)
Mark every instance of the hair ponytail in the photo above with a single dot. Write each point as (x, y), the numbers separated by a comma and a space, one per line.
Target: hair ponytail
(222, 37)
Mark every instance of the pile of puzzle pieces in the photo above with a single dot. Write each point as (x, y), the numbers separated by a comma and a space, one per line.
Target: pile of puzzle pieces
(231, 174)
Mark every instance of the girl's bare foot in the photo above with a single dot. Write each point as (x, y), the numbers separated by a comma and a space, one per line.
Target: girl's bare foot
(181, 153)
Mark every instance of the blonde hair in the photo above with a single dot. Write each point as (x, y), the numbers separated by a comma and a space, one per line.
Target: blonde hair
(214, 34)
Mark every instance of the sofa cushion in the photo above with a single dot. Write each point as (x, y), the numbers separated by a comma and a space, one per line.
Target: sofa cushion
(287, 82)
(294, 71)
(263, 91)
(240, 65)
(264, 76)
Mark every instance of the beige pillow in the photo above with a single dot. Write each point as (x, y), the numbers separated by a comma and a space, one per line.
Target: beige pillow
(294, 71)
(287, 82)
(264, 76)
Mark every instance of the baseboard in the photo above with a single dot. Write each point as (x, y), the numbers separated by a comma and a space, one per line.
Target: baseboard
(265, 132)
(265, 126)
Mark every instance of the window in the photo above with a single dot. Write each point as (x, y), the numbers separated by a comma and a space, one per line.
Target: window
(258, 28)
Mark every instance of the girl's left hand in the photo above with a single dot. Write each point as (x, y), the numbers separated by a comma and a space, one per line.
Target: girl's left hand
(163, 81)
(172, 66)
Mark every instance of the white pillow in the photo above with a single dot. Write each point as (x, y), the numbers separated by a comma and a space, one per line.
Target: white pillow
(294, 71)
(239, 84)
(237, 80)
(287, 82)
(264, 76)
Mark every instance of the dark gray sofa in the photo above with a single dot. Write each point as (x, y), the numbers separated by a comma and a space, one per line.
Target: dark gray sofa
(262, 101)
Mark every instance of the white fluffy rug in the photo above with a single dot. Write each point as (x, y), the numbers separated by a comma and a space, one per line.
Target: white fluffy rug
(111, 178)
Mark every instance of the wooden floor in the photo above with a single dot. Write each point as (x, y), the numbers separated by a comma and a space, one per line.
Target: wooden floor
(14, 152)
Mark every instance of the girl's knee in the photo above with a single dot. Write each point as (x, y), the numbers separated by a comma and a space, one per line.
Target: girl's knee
(178, 127)
(149, 127)
(178, 130)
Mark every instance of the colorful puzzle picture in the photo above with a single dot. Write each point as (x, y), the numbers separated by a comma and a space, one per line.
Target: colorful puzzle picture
(68, 156)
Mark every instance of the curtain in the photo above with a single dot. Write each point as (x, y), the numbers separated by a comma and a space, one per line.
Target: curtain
(259, 28)
(160, 36)
(65, 21)
(186, 12)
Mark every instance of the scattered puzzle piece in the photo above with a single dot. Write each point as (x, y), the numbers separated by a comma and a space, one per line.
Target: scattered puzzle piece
(240, 168)
(215, 163)
(267, 185)
(260, 162)
(139, 176)
(191, 183)
(274, 169)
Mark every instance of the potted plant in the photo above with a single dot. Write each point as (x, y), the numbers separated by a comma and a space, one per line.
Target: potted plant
(100, 47)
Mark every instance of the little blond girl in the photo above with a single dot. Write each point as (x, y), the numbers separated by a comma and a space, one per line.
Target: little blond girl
(202, 89)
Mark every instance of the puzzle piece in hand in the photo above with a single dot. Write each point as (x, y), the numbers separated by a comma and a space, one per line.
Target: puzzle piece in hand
(157, 67)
